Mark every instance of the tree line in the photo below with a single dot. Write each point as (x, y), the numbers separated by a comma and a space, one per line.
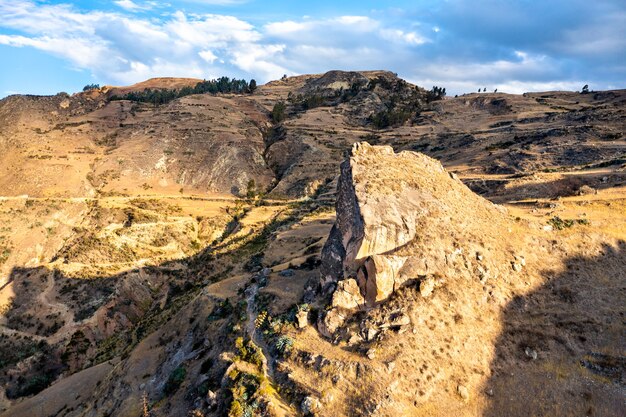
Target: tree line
(162, 96)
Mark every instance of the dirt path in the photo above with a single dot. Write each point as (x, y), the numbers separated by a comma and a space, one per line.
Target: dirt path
(269, 362)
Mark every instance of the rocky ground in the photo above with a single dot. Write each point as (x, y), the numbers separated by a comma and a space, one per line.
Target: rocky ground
(225, 255)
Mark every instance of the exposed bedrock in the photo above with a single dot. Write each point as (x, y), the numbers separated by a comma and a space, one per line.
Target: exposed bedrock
(402, 217)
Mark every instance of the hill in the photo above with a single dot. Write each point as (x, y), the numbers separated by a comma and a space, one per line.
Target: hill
(343, 243)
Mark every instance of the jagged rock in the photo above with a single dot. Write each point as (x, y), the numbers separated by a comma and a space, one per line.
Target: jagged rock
(463, 392)
(400, 320)
(330, 322)
(347, 295)
(211, 399)
(371, 353)
(302, 319)
(378, 276)
(370, 334)
(401, 216)
(311, 406)
(427, 286)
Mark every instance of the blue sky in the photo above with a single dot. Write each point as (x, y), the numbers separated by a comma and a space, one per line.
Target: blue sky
(513, 45)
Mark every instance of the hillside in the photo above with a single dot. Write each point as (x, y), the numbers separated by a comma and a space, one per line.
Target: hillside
(370, 249)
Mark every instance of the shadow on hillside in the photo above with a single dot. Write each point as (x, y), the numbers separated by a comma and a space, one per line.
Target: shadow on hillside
(494, 189)
(561, 350)
(92, 319)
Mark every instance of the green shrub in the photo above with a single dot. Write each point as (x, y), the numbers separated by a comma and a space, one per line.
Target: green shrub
(560, 224)
(278, 112)
(284, 344)
(174, 381)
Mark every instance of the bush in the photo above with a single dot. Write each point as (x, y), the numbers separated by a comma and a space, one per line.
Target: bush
(175, 379)
(560, 224)
(284, 344)
(437, 93)
(222, 310)
(91, 87)
(278, 112)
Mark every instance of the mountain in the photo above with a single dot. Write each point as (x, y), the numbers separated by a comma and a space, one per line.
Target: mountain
(343, 243)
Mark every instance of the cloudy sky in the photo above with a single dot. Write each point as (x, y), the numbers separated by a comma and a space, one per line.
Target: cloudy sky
(513, 45)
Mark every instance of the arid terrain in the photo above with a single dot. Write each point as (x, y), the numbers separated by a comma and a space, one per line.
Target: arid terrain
(339, 244)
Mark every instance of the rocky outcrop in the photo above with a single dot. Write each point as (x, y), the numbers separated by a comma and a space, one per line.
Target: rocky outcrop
(401, 218)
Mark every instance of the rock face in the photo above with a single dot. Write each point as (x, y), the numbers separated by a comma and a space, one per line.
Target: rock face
(401, 217)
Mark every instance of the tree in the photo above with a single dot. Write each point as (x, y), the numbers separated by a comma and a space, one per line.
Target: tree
(495, 91)
(485, 90)
(91, 87)
(479, 90)
(251, 189)
(252, 86)
(585, 89)
(437, 93)
(278, 112)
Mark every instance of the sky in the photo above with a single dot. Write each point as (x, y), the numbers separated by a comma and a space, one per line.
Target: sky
(462, 45)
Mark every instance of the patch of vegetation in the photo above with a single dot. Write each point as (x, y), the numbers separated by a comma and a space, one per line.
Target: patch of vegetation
(174, 381)
(244, 389)
(221, 311)
(247, 351)
(278, 112)
(4, 254)
(390, 118)
(35, 385)
(284, 344)
(500, 145)
(560, 224)
(437, 93)
(163, 96)
(89, 87)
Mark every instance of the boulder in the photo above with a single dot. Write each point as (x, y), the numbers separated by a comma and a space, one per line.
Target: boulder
(347, 295)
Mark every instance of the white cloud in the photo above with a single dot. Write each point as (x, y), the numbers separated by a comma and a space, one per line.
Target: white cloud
(208, 56)
(121, 48)
(130, 5)
(125, 47)
(397, 35)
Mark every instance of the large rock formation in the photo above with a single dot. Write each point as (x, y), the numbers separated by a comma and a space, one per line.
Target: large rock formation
(402, 217)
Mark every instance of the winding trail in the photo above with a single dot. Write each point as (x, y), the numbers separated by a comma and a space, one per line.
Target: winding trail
(282, 406)
(268, 365)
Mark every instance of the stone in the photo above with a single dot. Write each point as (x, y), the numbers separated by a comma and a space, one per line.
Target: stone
(427, 286)
(391, 365)
(302, 319)
(378, 277)
(347, 295)
(310, 406)
(400, 216)
(400, 320)
(463, 392)
(211, 399)
(371, 353)
(531, 353)
(370, 334)
(330, 322)
(354, 338)
(287, 273)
